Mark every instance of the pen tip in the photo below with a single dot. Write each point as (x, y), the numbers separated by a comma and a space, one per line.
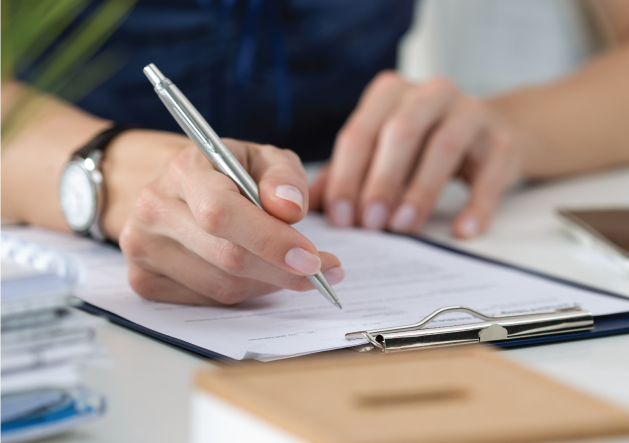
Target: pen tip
(338, 305)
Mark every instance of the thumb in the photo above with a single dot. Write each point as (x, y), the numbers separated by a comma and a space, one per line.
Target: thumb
(282, 182)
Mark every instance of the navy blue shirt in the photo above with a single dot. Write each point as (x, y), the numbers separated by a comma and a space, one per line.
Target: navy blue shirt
(282, 72)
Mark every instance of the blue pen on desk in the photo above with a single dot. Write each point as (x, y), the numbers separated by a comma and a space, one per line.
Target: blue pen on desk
(200, 132)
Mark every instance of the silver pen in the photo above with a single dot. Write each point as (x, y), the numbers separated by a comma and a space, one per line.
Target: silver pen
(200, 132)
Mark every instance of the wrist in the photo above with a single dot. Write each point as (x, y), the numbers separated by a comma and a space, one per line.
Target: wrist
(512, 109)
(133, 160)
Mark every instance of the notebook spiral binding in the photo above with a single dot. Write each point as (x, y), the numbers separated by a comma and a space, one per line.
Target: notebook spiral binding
(66, 266)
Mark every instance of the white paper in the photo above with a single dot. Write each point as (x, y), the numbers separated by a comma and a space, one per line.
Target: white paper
(391, 281)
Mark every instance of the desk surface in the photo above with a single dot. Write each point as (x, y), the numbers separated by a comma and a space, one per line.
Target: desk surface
(148, 383)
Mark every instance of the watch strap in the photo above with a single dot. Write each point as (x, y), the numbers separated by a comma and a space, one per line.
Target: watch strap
(102, 139)
(99, 143)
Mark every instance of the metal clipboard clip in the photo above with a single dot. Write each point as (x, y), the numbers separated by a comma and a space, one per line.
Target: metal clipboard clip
(494, 328)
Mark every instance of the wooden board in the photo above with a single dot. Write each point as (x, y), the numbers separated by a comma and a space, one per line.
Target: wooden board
(439, 396)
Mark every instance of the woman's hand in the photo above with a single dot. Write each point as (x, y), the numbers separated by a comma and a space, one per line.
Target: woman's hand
(400, 147)
(193, 238)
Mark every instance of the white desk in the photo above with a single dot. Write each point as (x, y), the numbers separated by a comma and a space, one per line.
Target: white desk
(526, 232)
(149, 383)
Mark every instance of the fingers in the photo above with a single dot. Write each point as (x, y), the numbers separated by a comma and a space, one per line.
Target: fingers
(221, 211)
(315, 193)
(492, 179)
(226, 214)
(451, 142)
(193, 238)
(281, 178)
(227, 256)
(162, 269)
(159, 288)
(423, 135)
(197, 281)
(399, 146)
(355, 145)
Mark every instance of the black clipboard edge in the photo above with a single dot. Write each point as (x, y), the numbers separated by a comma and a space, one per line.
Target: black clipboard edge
(114, 318)
(521, 269)
(604, 325)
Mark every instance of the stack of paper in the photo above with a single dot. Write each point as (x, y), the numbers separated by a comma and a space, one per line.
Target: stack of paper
(44, 342)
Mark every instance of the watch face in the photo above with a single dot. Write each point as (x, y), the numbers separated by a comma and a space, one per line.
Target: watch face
(77, 195)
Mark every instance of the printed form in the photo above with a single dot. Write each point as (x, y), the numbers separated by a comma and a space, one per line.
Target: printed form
(391, 281)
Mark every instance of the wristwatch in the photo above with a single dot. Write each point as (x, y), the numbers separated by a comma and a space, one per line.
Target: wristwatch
(81, 189)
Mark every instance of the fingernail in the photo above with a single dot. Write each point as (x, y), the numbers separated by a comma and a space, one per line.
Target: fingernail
(291, 194)
(335, 275)
(303, 261)
(469, 226)
(342, 213)
(404, 218)
(375, 215)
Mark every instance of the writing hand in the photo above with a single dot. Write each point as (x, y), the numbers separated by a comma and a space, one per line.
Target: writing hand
(193, 238)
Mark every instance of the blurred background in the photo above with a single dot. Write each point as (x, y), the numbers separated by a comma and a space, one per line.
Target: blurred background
(490, 46)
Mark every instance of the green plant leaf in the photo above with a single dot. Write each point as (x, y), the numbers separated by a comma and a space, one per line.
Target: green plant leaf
(30, 28)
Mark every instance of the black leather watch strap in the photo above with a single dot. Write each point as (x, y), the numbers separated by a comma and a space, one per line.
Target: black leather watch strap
(94, 149)
(100, 141)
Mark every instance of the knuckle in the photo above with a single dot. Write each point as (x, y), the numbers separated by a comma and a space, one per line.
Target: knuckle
(233, 258)
(131, 244)
(142, 283)
(441, 85)
(275, 155)
(386, 80)
(212, 215)
(473, 106)
(228, 292)
(148, 206)
(295, 283)
(424, 197)
(265, 244)
(268, 149)
(450, 142)
(351, 138)
(181, 163)
(504, 142)
(429, 196)
(291, 156)
(401, 127)
(301, 284)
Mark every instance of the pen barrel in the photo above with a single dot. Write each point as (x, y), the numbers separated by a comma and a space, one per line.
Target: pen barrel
(200, 132)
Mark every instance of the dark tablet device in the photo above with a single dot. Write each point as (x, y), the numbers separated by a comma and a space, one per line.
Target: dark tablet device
(607, 228)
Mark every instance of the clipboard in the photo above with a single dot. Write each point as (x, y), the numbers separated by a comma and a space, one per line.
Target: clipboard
(495, 328)
(504, 331)
(603, 325)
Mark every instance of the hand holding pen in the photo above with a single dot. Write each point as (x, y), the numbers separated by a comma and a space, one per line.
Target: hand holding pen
(194, 238)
